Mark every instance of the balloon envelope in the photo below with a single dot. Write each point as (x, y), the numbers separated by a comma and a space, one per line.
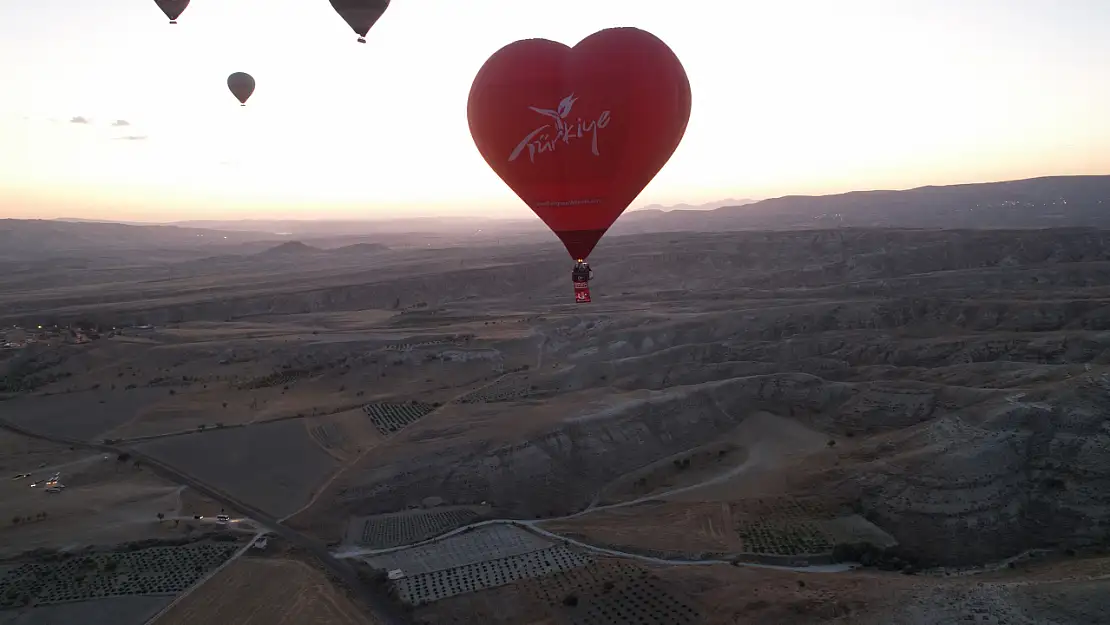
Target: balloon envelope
(241, 85)
(172, 8)
(578, 132)
(360, 15)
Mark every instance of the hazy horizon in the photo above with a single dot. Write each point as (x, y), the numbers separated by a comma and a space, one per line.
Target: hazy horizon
(114, 115)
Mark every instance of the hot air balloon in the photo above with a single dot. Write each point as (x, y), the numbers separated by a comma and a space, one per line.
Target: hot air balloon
(577, 133)
(361, 15)
(172, 8)
(241, 85)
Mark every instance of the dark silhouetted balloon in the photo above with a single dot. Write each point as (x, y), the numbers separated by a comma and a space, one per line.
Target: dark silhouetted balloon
(360, 14)
(579, 132)
(172, 8)
(241, 85)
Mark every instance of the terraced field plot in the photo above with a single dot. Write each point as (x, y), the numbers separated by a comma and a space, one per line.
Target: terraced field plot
(153, 571)
(403, 528)
(328, 435)
(389, 418)
(428, 587)
(485, 543)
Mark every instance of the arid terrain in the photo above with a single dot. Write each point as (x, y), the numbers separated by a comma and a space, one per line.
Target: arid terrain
(847, 425)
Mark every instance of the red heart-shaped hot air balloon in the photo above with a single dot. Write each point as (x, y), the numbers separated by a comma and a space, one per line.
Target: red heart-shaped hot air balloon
(578, 132)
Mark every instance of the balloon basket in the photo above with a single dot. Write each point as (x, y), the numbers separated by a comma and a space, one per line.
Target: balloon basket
(361, 40)
(173, 21)
(582, 293)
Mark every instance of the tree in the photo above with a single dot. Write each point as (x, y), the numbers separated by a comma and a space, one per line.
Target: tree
(161, 516)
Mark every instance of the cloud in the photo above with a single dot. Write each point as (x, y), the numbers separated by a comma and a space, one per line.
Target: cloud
(79, 120)
(121, 122)
(133, 138)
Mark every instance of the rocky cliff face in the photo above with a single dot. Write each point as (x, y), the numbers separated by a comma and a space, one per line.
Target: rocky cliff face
(957, 475)
(1000, 478)
(561, 471)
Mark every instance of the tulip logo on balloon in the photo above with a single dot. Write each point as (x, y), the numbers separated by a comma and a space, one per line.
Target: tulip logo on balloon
(564, 131)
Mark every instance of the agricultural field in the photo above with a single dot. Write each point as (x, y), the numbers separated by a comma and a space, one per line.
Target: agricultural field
(152, 571)
(390, 418)
(81, 416)
(510, 388)
(608, 591)
(270, 591)
(274, 466)
(652, 527)
(122, 610)
(641, 601)
(788, 526)
(403, 528)
(437, 585)
(489, 542)
(407, 347)
(783, 538)
(345, 434)
(327, 435)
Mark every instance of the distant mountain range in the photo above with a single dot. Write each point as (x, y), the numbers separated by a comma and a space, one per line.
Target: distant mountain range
(1059, 201)
(693, 207)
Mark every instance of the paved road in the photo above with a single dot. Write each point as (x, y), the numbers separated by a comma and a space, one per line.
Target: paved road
(383, 609)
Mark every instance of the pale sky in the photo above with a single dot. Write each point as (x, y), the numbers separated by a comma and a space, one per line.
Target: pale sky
(789, 96)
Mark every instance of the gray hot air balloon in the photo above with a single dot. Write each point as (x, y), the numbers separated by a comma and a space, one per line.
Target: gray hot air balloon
(172, 8)
(241, 85)
(360, 14)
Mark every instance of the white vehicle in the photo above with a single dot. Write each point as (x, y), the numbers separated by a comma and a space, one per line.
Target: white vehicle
(223, 518)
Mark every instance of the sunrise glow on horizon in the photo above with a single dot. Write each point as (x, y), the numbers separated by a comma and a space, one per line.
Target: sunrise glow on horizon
(108, 112)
